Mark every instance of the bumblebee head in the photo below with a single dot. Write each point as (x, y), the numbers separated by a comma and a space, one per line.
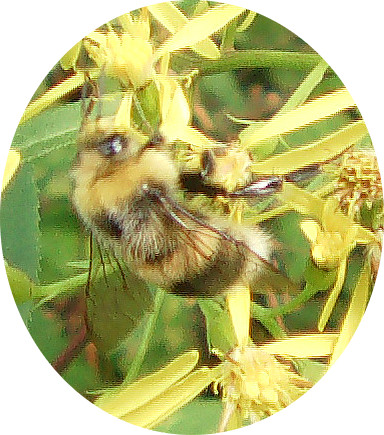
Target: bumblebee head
(109, 143)
(114, 163)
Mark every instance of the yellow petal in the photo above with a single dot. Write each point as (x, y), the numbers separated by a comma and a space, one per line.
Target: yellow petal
(123, 115)
(269, 396)
(168, 15)
(311, 229)
(131, 58)
(121, 401)
(314, 153)
(138, 27)
(69, 59)
(319, 108)
(247, 21)
(307, 203)
(55, 93)
(239, 305)
(200, 27)
(355, 312)
(174, 107)
(173, 19)
(98, 38)
(162, 406)
(11, 165)
(331, 301)
(196, 138)
(303, 346)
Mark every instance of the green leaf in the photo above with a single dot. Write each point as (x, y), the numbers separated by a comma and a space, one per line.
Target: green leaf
(311, 370)
(20, 284)
(19, 218)
(200, 416)
(45, 132)
(220, 333)
(115, 305)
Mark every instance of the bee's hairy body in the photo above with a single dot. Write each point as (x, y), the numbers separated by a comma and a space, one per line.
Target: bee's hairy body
(121, 199)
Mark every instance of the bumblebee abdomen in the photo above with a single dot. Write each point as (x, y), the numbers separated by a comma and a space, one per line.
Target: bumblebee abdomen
(220, 272)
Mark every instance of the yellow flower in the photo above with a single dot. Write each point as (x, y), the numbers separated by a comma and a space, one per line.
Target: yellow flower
(359, 180)
(332, 242)
(255, 384)
(328, 248)
(258, 384)
(231, 169)
(126, 57)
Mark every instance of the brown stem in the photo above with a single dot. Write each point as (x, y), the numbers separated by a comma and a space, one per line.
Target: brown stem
(73, 350)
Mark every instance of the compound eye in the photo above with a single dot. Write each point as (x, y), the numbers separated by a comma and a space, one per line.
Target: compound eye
(113, 145)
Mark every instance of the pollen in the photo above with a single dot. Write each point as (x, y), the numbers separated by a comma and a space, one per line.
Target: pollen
(258, 385)
(359, 181)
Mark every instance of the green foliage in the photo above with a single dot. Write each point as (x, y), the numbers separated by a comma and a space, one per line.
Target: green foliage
(185, 421)
(20, 223)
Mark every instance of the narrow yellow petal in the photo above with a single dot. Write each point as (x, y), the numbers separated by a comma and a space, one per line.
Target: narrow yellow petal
(123, 115)
(138, 27)
(173, 19)
(314, 110)
(177, 116)
(199, 28)
(195, 138)
(331, 301)
(166, 86)
(169, 15)
(303, 346)
(162, 406)
(247, 21)
(121, 401)
(11, 165)
(311, 229)
(69, 59)
(355, 312)
(55, 93)
(317, 152)
(97, 37)
(239, 305)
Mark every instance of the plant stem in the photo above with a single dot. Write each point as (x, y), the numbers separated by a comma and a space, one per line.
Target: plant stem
(264, 316)
(295, 303)
(248, 59)
(146, 338)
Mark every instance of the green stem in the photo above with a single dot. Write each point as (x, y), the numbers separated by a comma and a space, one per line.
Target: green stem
(146, 338)
(248, 59)
(295, 303)
(264, 316)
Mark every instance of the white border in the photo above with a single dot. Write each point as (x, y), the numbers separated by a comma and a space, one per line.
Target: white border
(349, 36)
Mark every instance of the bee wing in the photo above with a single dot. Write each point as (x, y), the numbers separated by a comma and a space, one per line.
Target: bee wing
(271, 277)
(116, 300)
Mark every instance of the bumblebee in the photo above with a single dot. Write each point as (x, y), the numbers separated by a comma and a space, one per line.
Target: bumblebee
(126, 193)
